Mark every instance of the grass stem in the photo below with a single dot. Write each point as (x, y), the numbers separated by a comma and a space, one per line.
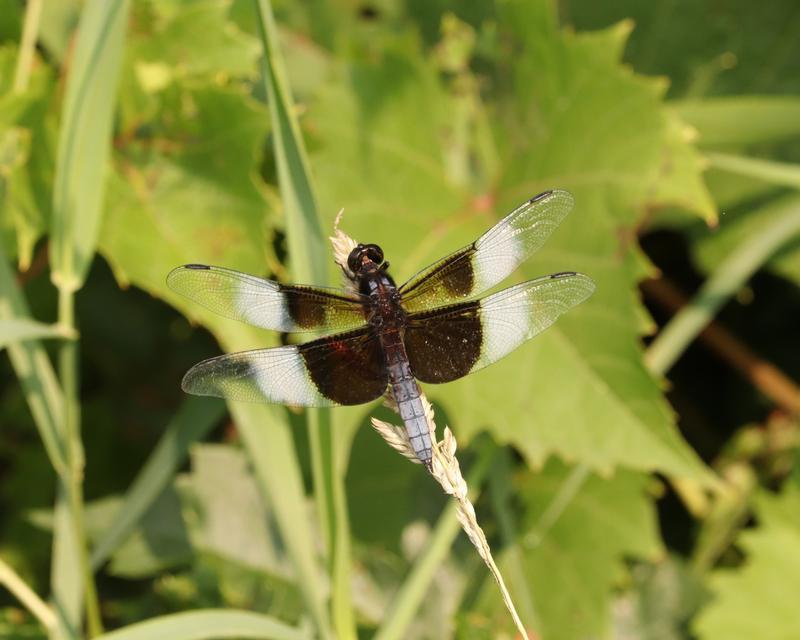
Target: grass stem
(412, 592)
(731, 274)
(27, 596)
(27, 45)
(69, 373)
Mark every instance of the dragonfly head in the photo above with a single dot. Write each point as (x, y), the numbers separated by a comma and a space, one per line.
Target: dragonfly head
(365, 258)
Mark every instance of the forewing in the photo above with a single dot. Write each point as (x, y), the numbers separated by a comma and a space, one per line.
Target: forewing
(453, 341)
(346, 368)
(268, 304)
(491, 258)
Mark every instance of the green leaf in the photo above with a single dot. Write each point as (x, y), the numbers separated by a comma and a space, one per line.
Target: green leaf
(573, 561)
(84, 141)
(157, 541)
(207, 624)
(227, 516)
(574, 120)
(168, 202)
(758, 599)
(192, 40)
(680, 181)
(22, 329)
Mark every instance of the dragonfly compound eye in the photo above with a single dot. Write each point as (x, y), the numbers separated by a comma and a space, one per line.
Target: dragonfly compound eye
(374, 253)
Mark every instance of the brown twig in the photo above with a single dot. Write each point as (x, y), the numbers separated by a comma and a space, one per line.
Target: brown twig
(765, 376)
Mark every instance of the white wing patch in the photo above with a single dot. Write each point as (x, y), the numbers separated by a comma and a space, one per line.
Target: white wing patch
(276, 375)
(506, 245)
(515, 315)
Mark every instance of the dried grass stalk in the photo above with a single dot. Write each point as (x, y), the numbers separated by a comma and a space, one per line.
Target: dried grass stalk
(444, 467)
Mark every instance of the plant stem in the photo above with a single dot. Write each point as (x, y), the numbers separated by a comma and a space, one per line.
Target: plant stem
(27, 596)
(731, 274)
(761, 373)
(27, 45)
(566, 492)
(500, 492)
(782, 173)
(69, 372)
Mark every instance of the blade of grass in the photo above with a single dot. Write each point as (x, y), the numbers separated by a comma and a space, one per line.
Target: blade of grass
(27, 45)
(566, 493)
(275, 463)
(196, 417)
(208, 624)
(500, 492)
(46, 401)
(66, 570)
(84, 142)
(73, 582)
(27, 596)
(731, 274)
(415, 586)
(742, 120)
(84, 146)
(307, 252)
(24, 329)
(34, 372)
(782, 173)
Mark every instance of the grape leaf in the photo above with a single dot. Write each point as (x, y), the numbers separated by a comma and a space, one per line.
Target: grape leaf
(188, 195)
(575, 119)
(571, 568)
(227, 516)
(759, 599)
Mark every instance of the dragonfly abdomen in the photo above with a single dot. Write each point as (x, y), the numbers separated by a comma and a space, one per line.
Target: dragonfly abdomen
(407, 394)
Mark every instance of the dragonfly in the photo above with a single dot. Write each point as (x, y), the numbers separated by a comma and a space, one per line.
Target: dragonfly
(378, 338)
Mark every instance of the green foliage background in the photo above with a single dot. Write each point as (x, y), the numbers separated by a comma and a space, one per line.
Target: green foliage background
(139, 135)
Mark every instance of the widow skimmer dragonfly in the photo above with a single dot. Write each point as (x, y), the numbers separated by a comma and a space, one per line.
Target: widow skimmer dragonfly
(430, 329)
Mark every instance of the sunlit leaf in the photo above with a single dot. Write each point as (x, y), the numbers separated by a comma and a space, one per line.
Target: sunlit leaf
(577, 121)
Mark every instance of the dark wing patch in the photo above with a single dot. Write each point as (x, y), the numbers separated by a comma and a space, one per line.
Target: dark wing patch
(341, 369)
(268, 304)
(347, 368)
(453, 341)
(491, 258)
(444, 344)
